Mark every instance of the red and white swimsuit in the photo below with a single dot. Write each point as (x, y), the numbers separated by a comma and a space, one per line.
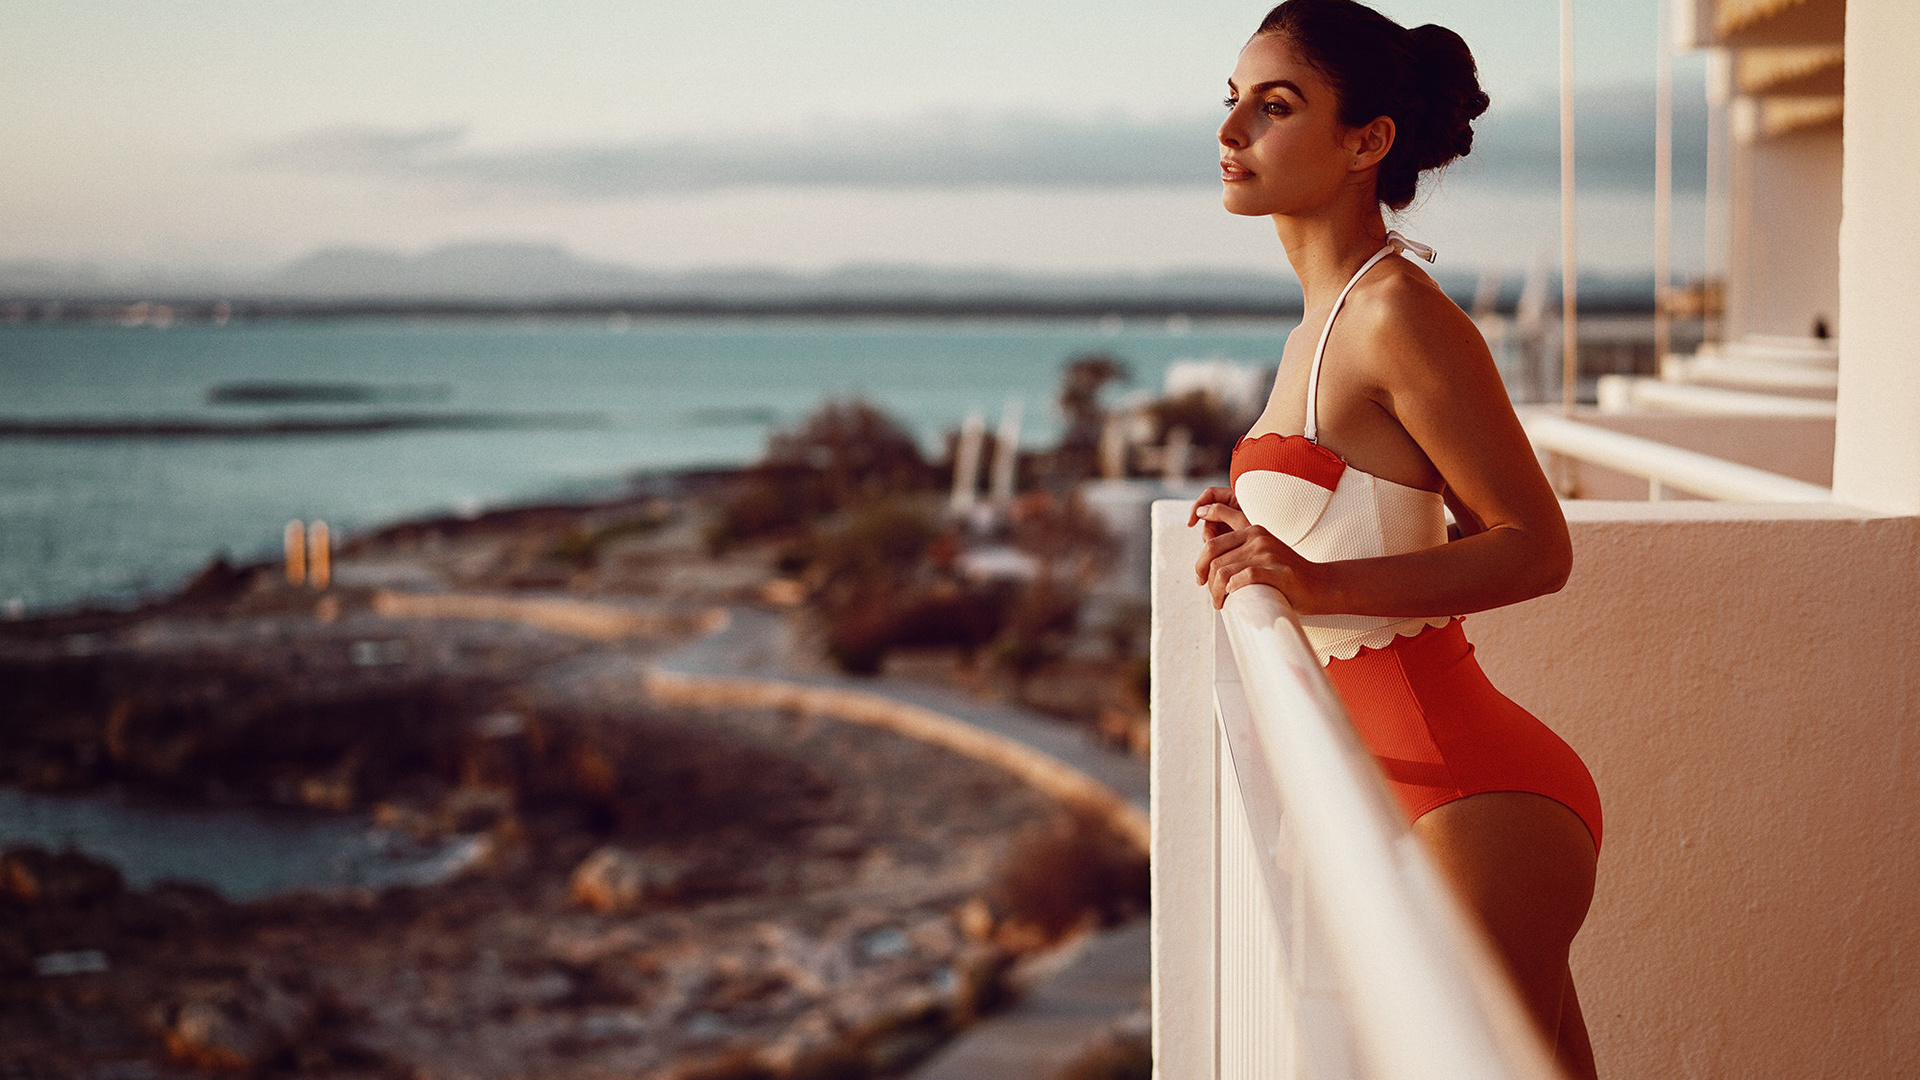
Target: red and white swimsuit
(1437, 727)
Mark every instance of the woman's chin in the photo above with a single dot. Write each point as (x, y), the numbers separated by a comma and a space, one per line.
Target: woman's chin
(1237, 203)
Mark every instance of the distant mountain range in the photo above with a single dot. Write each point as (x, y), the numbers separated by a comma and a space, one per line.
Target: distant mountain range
(540, 273)
(547, 276)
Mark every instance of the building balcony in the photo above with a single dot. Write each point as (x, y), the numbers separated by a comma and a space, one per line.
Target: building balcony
(1740, 678)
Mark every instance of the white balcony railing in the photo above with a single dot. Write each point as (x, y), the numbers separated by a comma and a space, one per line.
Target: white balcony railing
(1627, 393)
(1299, 931)
(1666, 466)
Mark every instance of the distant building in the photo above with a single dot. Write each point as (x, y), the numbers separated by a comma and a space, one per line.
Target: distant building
(1775, 88)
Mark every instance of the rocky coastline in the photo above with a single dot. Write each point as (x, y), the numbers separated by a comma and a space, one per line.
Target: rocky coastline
(646, 888)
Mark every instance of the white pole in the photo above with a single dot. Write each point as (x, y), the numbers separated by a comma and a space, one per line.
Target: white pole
(294, 541)
(1662, 182)
(1719, 234)
(966, 463)
(1569, 266)
(1006, 454)
(319, 555)
(1178, 448)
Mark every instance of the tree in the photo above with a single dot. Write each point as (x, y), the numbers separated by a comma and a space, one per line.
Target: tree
(1081, 382)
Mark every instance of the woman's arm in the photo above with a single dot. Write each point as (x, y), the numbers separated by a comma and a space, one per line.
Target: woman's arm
(1433, 374)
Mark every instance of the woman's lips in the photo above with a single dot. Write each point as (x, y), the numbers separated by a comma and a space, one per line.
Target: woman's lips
(1229, 172)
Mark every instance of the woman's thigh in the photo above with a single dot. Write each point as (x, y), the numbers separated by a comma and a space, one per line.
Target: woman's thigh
(1524, 865)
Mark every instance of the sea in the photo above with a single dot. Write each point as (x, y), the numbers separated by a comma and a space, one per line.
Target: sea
(131, 455)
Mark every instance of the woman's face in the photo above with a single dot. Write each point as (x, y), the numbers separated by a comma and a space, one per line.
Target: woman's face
(1283, 149)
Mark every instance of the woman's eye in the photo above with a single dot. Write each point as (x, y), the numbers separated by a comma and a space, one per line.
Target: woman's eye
(1230, 101)
(1276, 108)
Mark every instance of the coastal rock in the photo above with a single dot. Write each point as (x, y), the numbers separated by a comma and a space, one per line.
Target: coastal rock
(32, 875)
(146, 741)
(239, 1029)
(779, 893)
(209, 1036)
(219, 580)
(475, 809)
(613, 880)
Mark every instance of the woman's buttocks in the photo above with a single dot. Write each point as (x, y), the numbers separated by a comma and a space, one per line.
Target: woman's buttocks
(1440, 730)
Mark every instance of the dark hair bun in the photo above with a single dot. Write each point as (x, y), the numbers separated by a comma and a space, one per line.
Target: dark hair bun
(1453, 98)
(1424, 79)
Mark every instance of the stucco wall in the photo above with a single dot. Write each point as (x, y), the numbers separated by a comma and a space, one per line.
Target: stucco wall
(1877, 443)
(1788, 217)
(1744, 682)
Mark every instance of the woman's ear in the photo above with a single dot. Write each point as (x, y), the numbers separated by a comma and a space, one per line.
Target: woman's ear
(1369, 143)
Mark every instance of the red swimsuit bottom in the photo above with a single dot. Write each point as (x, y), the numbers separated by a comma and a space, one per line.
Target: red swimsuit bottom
(1440, 731)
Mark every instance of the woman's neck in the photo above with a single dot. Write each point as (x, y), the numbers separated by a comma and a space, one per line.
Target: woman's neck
(1325, 249)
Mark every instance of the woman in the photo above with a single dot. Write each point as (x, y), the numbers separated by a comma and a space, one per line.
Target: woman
(1380, 421)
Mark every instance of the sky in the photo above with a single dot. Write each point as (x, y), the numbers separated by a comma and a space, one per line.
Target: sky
(1053, 136)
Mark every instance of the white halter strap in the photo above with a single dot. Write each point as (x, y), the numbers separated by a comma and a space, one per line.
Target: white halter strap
(1395, 242)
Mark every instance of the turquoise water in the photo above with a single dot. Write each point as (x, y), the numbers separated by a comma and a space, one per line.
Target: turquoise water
(241, 853)
(111, 517)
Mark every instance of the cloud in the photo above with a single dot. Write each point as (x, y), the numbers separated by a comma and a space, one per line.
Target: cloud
(1519, 145)
(359, 148)
(1516, 147)
(942, 151)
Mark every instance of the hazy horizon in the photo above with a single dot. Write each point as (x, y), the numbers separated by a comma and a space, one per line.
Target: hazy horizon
(534, 276)
(234, 140)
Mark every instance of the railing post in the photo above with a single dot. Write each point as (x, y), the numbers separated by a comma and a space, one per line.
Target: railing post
(1414, 986)
(1184, 765)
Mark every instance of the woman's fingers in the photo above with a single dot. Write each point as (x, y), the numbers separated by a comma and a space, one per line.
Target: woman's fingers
(1212, 549)
(1225, 579)
(1243, 546)
(1219, 544)
(1217, 512)
(1210, 497)
(1243, 557)
(1226, 515)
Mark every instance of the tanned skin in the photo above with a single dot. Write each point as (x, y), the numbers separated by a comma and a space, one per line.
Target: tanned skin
(1409, 393)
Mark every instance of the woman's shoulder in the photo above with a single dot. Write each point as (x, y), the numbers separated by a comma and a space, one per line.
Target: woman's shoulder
(1403, 297)
(1403, 315)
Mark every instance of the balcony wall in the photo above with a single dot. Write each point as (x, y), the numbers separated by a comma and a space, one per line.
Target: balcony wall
(1876, 460)
(1744, 682)
(1786, 257)
(1797, 446)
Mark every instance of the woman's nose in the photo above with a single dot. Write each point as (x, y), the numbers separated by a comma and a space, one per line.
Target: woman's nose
(1230, 134)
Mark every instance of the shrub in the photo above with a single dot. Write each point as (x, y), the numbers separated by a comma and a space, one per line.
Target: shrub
(1074, 870)
(845, 454)
(856, 451)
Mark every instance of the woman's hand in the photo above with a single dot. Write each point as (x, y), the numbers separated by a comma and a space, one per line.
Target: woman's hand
(1238, 552)
(1221, 496)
